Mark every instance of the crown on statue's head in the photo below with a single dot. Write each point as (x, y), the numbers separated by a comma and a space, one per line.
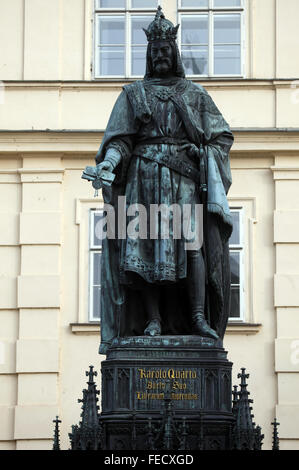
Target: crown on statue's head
(161, 29)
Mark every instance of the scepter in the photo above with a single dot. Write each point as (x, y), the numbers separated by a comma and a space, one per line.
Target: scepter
(203, 189)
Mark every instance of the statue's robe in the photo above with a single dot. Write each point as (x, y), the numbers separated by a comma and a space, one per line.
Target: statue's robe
(152, 111)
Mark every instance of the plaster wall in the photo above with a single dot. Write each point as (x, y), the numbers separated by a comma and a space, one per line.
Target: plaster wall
(52, 119)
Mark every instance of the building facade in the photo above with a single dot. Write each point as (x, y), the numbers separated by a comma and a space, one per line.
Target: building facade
(62, 65)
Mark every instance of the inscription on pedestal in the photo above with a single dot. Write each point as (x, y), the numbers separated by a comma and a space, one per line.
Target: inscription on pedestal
(155, 383)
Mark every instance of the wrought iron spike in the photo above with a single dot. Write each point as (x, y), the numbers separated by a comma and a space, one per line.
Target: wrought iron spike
(275, 441)
(243, 375)
(134, 434)
(235, 394)
(167, 434)
(184, 435)
(91, 374)
(258, 438)
(88, 435)
(56, 441)
(150, 435)
(200, 442)
(246, 435)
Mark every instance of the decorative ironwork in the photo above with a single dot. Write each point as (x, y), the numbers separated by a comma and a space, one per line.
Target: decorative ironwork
(235, 399)
(88, 434)
(246, 435)
(200, 442)
(134, 434)
(169, 431)
(275, 442)
(56, 441)
(183, 430)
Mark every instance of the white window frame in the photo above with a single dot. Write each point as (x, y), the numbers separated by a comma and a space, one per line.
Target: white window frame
(93, 249)
(240, 248)
(212, 11)
(126, 13)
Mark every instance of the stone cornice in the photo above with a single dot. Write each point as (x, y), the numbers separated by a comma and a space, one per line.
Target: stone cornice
(117, 84)
(267, 142)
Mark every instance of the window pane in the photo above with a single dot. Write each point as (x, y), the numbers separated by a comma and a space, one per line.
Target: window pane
(112, 30)
(111, 3)
(227, 3)
(138, 60)
(97, 235)
(195, 3)
(235, 302)
(139, 22)
(235, 267)
(195, 60)
(227, 60)
(235, 236)
(96, 293)
(97, 269)
(144, 3)
(195, 29)
(112, 60)
(227, 29)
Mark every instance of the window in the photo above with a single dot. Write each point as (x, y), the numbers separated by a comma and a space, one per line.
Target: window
(95, 250)
(236, 249)
(210, 37)
(120, 42)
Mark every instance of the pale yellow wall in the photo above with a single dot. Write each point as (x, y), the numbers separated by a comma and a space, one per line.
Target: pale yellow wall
(287, 41)
(87, 106)
(12, 36)
(46, 343)
(253, 178)
(262, 29)
(50, 356)
(286, 238)
(53, 40)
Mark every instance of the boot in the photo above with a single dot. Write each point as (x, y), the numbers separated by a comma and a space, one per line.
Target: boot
(151, 296)
(201, 326)
(196, 291)
(153, 328)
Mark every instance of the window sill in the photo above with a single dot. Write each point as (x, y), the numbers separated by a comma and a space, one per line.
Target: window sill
(232, 328)
(85, 328)
(237, 328)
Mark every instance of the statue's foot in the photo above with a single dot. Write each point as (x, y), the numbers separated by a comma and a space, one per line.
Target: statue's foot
(201, 327)
(153, 328)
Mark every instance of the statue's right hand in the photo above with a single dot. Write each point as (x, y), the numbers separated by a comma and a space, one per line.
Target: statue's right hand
(105, 165)
(192, 150)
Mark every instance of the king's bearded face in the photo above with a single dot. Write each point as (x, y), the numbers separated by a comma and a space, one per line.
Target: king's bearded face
(162, 58)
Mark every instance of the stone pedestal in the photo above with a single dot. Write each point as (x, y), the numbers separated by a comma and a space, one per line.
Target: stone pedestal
(192, 371)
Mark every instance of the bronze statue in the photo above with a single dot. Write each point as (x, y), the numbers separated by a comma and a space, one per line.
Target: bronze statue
(167, 143)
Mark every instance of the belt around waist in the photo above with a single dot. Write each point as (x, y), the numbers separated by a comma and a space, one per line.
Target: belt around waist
(180, 166)
(163, 140)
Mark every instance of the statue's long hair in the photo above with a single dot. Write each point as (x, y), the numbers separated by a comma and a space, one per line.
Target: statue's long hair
(178, 68)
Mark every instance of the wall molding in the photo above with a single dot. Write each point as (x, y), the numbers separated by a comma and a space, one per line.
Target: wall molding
(77, 142)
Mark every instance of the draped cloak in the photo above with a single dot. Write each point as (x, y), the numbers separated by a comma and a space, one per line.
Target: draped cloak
(151, 109)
